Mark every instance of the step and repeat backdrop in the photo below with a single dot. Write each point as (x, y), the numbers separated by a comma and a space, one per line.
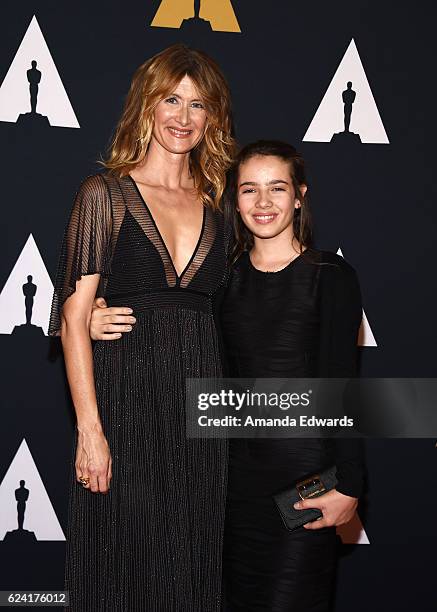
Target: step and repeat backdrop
(351, 86)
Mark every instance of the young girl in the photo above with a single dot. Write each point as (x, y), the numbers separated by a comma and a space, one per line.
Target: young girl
(289, 311)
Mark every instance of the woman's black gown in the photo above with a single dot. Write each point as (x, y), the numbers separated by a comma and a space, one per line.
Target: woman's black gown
(302, 321)
(154, 542)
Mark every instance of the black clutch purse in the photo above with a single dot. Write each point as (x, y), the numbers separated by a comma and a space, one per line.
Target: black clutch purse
(316, 485)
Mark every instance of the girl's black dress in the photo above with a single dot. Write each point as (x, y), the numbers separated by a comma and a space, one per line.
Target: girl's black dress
(302, 321)
(154, 542)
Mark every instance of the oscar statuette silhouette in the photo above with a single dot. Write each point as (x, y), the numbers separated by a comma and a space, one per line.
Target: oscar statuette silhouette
(348, 97)
(196, 25)
(26, 329)
(35, 119)
(20, 535)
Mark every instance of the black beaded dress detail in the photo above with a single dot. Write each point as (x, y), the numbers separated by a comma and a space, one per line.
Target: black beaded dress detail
(154, 542)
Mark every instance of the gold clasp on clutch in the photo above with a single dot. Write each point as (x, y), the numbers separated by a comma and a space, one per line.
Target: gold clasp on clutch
(310, 487)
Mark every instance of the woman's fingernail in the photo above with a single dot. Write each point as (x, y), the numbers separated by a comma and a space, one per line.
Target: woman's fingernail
(296, 505)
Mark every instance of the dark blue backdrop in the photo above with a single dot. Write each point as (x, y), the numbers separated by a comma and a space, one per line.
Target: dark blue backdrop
(375, 201)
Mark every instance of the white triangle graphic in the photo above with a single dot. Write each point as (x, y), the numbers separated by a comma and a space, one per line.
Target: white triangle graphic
(39, 514)
(52, 99)
(365, 119)
(12, 297)
(353, 532)
(365, 334)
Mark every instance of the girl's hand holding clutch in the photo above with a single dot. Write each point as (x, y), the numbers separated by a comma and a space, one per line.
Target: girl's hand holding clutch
(336, 507)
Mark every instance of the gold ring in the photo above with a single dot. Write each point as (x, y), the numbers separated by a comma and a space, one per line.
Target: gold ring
(84, 481)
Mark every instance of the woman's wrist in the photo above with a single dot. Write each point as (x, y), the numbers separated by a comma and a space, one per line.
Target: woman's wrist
(89, 427)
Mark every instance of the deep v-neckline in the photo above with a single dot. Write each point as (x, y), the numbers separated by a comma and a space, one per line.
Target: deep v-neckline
(161, 239)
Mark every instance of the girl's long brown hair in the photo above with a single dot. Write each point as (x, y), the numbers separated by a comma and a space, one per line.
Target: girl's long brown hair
(302, 224)
(151, 83)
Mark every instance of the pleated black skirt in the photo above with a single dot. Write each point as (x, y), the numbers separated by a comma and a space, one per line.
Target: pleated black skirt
(154, 542)
(267, 567)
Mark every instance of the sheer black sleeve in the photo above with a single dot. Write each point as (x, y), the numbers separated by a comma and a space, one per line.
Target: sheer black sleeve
(341, 314)
(85, 246)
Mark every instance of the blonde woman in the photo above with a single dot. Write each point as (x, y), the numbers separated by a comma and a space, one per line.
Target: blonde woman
(147, 504)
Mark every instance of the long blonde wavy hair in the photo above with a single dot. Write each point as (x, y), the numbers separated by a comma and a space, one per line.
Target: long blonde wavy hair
(151, 83)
